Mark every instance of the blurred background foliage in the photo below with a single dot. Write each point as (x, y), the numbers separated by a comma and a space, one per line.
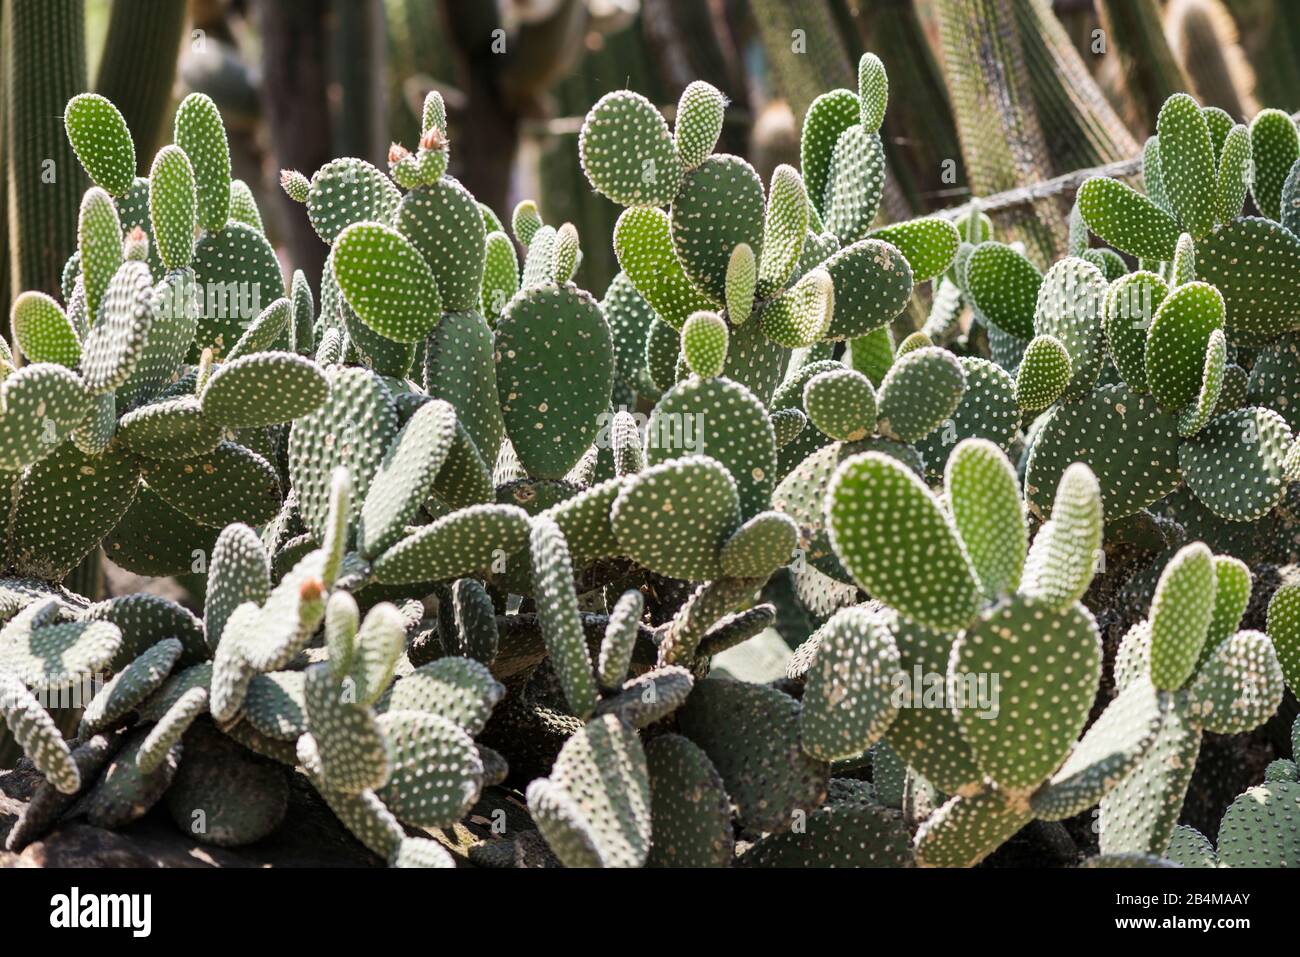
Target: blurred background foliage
(988, 95)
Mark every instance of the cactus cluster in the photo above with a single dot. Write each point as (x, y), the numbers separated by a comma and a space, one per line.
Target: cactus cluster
(463, 530)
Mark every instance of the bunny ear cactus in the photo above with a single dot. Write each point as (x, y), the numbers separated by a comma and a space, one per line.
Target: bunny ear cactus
(991, 606)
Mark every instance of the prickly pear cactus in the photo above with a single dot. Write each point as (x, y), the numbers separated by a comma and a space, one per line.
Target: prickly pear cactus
(471, 543)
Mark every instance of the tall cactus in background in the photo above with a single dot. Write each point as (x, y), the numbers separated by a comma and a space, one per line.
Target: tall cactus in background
(1080, 126)
(919, 140)
(46, 63)
(138, 66)
(1204, 39)
(805, 51)
(1002, 141)
(1148, 72)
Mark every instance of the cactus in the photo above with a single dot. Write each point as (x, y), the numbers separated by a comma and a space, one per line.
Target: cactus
(465, 526)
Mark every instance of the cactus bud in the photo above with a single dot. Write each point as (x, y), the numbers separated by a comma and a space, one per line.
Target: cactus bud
(294, 184)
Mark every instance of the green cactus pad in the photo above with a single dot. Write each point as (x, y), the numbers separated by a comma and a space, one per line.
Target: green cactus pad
(1187, 163)
(567, 253)
(41, 404)
(123, 793)
(751, 735)
(201, 134)
(173, 206)
(601, 782)
(921, 390)
(704, 344)
(690, 812)
(363, 813)
(1129, 444)
(1065, 553)
(239, 572)
(1043, 375)
(967, 829)
(1108, 750)
(384, 278)
(763, 544)
(1234, 175)
(801, 315)
(1070, 305)
(1274, 148)
(1194, 417)
(720, 205)
(443, 222)
(1290, 201)
(845, 835)
(584, 519)
(1003, 288)
(619, 639)
(630, 318)
(347, 191)
(872, 284)
(38, 735)
(146, 620)
(1259, 828)
(725, 421)
(848, 700)
(788, 424)
(841, 403)
(354, 751)
(627, 151)
(1236, 463)
(459, 689)
(698, 122)
(276, 705)
(557, 605)
(644, 246)
(1255, 264)
(829, 116)
(525, 220)
(984, 499)
(742, 280)
(243, 206)
(64, 505)
(1127, 220)
(1131, 304)
(130, 686)
(238, 271)
(1049, 664)
(269, 328)
(405, 477)
(462, 543)
(265, 388)
(1177, 340)
(649, 697)
(1239, 687)
(42, 331)
(153, 538)
(41, 652)
(116, 342)
(854, 184)
(353, 429)
(884, 523)
(1180, 615)
(500, 274)
(539, 263)
(784, 230)
(674, 517)
(436, 772)
(555, 370)
(987, 410)
(101, 140)
(930, 244)
(229, 484)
